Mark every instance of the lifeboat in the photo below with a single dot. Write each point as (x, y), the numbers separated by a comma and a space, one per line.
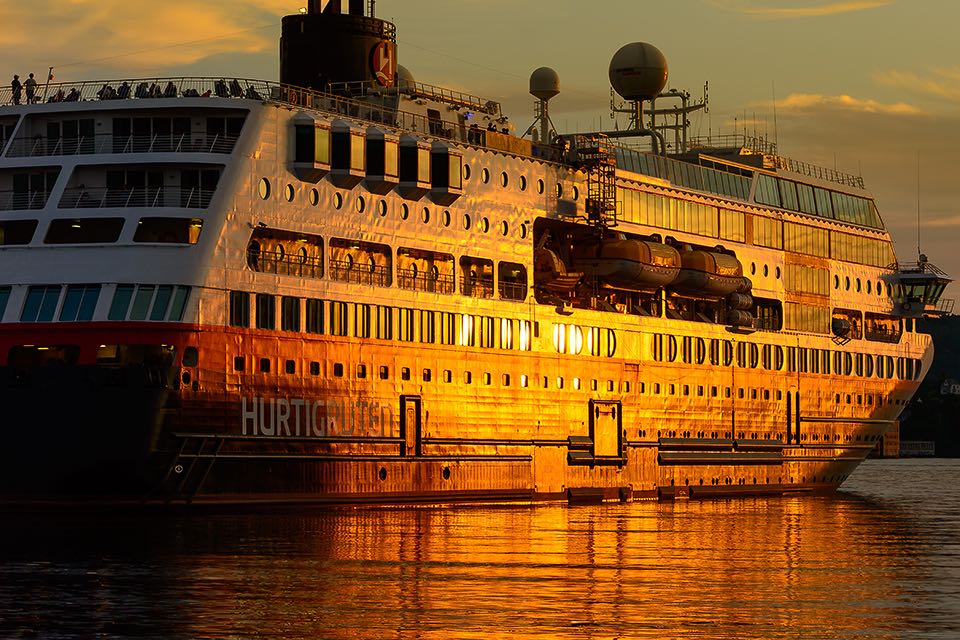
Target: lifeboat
(710, 274)
(550, 273)
(630, 264)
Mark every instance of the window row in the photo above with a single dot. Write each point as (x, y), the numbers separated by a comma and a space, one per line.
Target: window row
(571, 338)
(297, 254)
(745, 355)
(736, 226)
(804, 198)
(379, 321)
(78, 302)
(713, 177)
(102, 231)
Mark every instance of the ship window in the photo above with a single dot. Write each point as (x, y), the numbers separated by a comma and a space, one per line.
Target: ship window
(524, 380)
(824, 205)
(13, 232)
(4, 298)
(266, 311)
(405, 373)
(427, 375)
(239, 363)
(290, 366)
(141, 302)
(805, 199)
(338, 319)
(467, 377)
(314, 368)
(361, 371)
(264, 365)
(384, 372)
(41, 303)
(338, 369)
(161, 302)
(79, 302)
(559, 382)
(362, 321)
(767, 191)
(121, 302)
(289, 313)
(314, 316)
(83, 230)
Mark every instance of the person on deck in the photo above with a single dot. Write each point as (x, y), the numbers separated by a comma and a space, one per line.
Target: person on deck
(31, 88)
(17, 89)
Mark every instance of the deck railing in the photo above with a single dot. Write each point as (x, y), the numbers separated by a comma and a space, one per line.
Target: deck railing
(356, 273)
(38, 146)
(287, 264)
(103, 197)
(12, 200)
(420, 281)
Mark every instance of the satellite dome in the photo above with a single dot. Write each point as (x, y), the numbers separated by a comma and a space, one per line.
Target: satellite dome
(404, 77)
(544, 83)
(638, 71)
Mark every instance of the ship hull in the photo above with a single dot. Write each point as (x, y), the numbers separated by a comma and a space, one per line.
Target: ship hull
(90, 433)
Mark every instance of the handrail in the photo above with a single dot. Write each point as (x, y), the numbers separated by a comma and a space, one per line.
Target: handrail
(356, 273)
(13, 200)
(424, 281)
(40, 146)
(103, 197)
(286, 264)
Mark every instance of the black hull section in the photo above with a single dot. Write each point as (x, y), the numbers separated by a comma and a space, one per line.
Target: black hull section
(81, 429)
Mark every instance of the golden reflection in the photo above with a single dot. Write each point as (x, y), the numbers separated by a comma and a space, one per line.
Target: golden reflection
(747, 569)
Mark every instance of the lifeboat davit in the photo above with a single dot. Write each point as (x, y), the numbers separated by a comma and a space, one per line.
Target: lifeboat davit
(709, 273)
(630, 264)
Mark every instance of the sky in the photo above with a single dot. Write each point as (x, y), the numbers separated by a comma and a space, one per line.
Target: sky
(870, 87)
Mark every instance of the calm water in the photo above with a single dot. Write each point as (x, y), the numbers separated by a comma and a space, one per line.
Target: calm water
(879, 560)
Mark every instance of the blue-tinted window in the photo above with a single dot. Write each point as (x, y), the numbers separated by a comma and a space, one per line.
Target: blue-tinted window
(4, 297)
(141, 302)
(80, 302)
(161, 302)
(41, 304)
(179, 304)
(121, 302)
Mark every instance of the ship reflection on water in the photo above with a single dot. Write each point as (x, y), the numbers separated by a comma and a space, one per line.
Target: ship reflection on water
(844, 566)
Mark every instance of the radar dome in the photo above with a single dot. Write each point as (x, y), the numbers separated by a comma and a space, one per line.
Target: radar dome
(638, 71)
(544, 83)
(404, 77)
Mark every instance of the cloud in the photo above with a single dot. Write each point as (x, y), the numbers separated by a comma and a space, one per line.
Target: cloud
(943, 84)
(760, 11)
(808, 101)
(121, 34)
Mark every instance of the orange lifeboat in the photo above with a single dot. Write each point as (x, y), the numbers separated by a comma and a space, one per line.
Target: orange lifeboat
(711, 274)
(630, 264)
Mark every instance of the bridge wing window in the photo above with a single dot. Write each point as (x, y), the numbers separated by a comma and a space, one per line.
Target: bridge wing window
(168, 230)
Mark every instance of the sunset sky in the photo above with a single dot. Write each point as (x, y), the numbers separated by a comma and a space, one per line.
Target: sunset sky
(863, 85)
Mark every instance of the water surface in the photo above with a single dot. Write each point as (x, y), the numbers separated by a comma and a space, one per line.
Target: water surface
(879, 560)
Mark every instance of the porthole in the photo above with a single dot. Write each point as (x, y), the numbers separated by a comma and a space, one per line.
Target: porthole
(264, 188)
(314, 197)
(523, 183)
(446, 217)
(484, 224)
(466, 172)
(382, 208)
(753, 268)
(404, 211)
(361, 204)
(280, 252)
(778, 273)
(846, 283)
(504, 179)
(349, 262)
(858, 285)
(836, 282)
(869, 286)
(559, 190)
(485, 175)
(766, 271)
(576, 193)
(372, 264)
(288, 193)
(414, 270)
(337, 200)
(382, 474)
(540, 186)
(504, 228)
(523, 231)
(466, 221)
(425, 215)
(879, 288)
(302, 255)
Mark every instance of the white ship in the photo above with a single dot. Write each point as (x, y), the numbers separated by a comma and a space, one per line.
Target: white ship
(353, 287)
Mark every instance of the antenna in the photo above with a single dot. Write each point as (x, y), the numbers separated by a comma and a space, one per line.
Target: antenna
(776, 136)
(918, 204)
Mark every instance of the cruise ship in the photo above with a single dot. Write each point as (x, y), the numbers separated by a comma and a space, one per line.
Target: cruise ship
(354, 287)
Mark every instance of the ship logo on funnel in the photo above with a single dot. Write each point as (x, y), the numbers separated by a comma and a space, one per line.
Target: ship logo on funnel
(383, 59)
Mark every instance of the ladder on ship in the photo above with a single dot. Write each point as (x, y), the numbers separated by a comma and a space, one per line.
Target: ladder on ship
(598, 159)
